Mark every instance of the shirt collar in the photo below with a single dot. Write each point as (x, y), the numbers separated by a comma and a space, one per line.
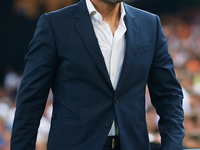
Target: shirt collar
(95, 14)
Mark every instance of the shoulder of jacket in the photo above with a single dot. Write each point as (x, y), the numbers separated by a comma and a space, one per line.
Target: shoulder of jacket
(69, 10)
(138, 12)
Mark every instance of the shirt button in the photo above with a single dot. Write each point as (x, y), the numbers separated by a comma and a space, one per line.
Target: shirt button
(113, 74)
(116, 100)
(108, 125)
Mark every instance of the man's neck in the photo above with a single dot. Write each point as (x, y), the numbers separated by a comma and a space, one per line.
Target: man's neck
(110, 12)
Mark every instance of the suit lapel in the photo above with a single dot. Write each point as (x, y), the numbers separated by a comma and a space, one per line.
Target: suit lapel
(131, 44)
(86, 31)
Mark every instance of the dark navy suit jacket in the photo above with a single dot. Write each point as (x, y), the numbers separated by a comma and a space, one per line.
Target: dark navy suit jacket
(64, 55)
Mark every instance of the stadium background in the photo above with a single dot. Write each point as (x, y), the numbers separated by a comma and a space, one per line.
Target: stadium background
(181, 24)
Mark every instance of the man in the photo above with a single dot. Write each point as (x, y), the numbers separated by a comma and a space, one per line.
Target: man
(98, 56)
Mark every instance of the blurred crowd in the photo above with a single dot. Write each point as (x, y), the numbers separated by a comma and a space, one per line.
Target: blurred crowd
(183, 35)
(182, 32)
(34, 8)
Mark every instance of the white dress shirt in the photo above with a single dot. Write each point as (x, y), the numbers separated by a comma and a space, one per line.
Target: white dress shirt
(112, 47)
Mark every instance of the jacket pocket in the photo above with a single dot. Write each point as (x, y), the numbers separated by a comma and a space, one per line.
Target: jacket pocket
(144, 48)
(142, 120)
(57, 118)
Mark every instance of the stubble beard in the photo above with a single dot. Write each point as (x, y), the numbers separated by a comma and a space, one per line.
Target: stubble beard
(112, 2)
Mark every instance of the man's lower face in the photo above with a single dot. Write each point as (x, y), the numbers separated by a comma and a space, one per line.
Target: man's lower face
(112, 1)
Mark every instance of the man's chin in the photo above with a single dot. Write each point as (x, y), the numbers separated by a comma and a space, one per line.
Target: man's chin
(113, 2)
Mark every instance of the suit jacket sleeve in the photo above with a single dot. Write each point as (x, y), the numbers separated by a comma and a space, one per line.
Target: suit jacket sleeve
(166, 95)
(40, 66)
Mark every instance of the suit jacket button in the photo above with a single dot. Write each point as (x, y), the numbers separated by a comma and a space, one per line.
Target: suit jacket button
(108, 125)
(115, 99)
